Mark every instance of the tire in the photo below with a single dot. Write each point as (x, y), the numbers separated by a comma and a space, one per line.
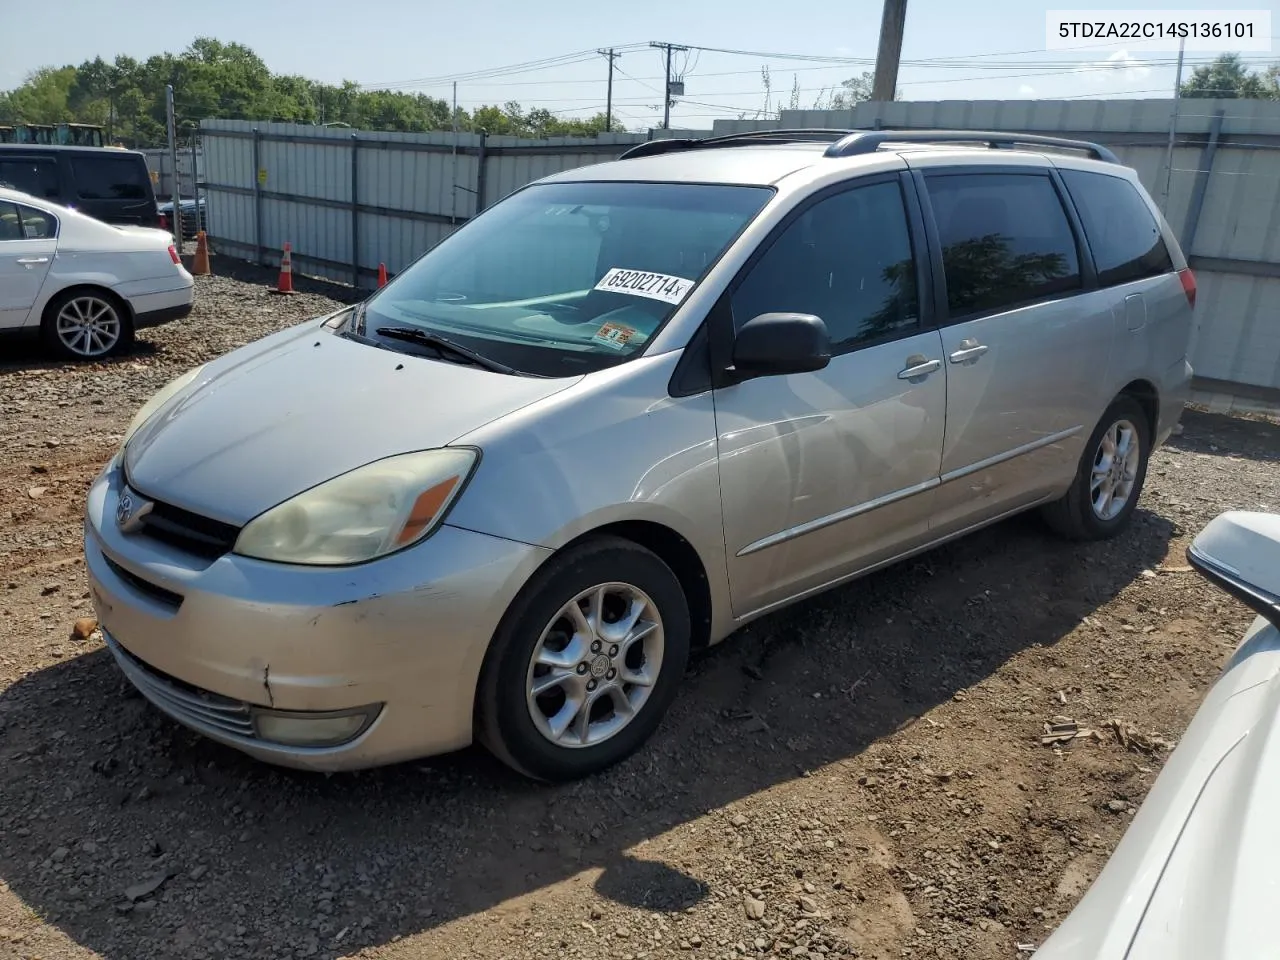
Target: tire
(637, 584)
(1077, 515)
(86, 323)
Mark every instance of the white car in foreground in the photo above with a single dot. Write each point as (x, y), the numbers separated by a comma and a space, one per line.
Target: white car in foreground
(1195, 877)
(85, 286)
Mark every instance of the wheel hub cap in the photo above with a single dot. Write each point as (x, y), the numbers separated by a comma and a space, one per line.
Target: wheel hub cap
(595, 665)
(1115, 470)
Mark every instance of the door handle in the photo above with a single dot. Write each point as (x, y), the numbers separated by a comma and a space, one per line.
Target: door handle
(918, 366)
(28, 261)
(969, 350)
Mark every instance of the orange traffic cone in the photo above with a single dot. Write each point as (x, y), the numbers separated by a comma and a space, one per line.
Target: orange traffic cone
(285, 283)
(382, 274)
(200, 267)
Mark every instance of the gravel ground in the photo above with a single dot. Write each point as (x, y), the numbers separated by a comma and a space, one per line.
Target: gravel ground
(859, 776)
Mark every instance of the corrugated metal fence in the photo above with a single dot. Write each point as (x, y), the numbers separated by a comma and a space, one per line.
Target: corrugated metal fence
(158, 163)
(349, 200)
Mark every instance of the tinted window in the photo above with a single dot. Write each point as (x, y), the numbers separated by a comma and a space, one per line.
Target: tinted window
(1005, 240)
(110, 178)
(1118, 224)
(847, 259)
(36, 177)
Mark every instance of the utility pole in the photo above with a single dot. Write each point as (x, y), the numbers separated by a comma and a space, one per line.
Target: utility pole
(1173, 129)
(453, 216)
(173, 165)
(666, 101)
(889, 53)
(608, 97)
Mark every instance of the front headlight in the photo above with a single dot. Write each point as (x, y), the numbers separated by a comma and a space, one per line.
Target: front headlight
(162, 396)
(371, 511)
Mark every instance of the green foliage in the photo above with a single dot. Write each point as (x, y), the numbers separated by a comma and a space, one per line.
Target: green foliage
(1229, 79)
(212, 79)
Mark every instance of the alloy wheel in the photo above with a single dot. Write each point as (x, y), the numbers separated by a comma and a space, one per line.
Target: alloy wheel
(1115, 470)
(595, 665)
(88, 326)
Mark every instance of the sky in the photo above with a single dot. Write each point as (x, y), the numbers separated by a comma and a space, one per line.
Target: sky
(952, 50)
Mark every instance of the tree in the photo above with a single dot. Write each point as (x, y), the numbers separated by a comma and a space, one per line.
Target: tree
(212, 79)
(1227, 78)
(43, 97)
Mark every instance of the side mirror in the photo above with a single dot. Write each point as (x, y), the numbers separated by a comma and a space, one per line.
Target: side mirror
(1239, 551)
(774, 344)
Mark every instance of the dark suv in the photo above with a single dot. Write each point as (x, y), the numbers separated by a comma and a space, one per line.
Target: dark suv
(109, 184)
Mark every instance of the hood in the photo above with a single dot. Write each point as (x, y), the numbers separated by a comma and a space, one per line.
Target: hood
(282, 415)
(1195, 875)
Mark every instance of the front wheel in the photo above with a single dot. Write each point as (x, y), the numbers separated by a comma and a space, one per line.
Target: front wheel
(1109, 478)
(585, 662)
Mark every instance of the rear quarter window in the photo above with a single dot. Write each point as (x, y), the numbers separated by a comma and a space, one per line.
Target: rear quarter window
(37, 177)
(110, 178)
(1119, 227)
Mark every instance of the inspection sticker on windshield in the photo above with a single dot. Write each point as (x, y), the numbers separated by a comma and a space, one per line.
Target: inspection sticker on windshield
(615, 336)
(641, 283)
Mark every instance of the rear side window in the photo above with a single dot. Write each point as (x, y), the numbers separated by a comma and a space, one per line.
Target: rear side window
(110, 178)
(1005, 239)
(36, 224)
(22, 223)
(1118, 224)
(36, 177)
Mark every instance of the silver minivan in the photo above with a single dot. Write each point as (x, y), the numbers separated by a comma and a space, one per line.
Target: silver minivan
(621, 413)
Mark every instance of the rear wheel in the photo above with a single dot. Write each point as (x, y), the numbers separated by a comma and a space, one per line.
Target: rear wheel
(86, 324)
(586, 661)
(1109, 478)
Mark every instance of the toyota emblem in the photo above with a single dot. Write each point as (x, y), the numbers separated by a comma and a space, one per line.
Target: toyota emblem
(130, 511)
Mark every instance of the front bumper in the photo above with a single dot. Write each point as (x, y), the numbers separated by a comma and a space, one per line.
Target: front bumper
(207, 641)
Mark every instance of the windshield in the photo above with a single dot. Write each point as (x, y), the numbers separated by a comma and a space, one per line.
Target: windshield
(567, 278)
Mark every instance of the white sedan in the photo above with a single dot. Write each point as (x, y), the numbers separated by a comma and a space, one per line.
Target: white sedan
(1195, 875)
(83, 285)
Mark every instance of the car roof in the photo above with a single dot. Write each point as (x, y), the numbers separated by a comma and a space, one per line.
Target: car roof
(17, 196)
(755, 165)
(775, 155)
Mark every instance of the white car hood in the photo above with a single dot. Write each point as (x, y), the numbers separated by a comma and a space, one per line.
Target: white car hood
(1196, 875)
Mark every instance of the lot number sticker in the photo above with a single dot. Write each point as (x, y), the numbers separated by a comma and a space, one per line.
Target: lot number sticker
(641, 283)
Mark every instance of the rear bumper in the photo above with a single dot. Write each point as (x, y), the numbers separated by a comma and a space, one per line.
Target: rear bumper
(1175, 391)
(153, 318)
(154, 308)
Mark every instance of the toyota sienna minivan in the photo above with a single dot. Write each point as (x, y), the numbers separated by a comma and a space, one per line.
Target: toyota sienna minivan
(622, 413)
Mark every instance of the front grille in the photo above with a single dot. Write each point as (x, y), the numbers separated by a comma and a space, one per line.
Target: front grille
(189, 531)
(145, 587)
(185, 703)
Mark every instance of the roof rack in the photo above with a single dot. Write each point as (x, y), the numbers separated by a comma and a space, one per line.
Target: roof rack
(852, 143)
(869, 141)
(652, 148)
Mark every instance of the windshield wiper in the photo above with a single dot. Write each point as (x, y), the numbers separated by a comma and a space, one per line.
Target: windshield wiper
(444, 346)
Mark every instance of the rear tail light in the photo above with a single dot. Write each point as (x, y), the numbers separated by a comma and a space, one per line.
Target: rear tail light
(164, 221)
(1188, 284)
(173, 255)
